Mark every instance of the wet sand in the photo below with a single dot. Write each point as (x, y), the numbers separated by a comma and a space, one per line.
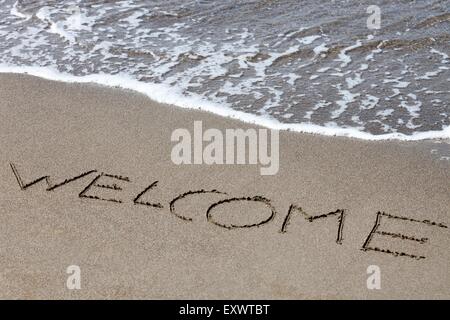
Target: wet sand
(142, 247)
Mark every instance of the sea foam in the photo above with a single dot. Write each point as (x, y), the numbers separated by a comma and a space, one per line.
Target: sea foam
(308, 72)
(169, 95)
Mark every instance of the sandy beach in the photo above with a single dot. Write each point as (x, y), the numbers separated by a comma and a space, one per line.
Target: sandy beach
(383, 203)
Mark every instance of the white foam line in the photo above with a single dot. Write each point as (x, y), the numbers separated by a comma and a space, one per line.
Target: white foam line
(169, 95)
(15, 12)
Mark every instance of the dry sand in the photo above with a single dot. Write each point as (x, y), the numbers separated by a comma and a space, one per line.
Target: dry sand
(128, 250)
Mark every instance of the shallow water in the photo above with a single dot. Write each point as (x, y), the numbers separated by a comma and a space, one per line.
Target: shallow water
(295, 62)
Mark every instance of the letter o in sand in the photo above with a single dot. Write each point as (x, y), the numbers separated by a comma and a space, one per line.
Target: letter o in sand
(264, 201)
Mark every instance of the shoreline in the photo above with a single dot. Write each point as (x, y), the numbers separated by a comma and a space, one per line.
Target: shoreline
(159, 239)
(170, 96)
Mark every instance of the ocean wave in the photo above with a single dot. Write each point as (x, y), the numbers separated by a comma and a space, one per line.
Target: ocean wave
(306, 66)
(167, 95)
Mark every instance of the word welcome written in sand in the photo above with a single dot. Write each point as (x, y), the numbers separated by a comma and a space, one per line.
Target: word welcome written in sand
(92, 191)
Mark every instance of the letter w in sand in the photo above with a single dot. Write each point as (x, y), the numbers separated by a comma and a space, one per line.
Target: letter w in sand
(50, 186)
